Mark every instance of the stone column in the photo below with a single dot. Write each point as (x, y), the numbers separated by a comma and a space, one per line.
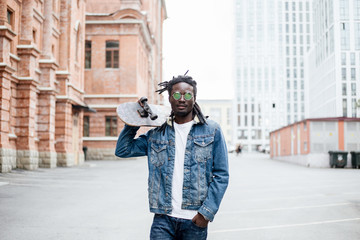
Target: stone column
(47, 30)
(6, 153)
(63, 133)
(3, 12)
(6, 37)
(47, 95)
(46, 128)
(27, 154)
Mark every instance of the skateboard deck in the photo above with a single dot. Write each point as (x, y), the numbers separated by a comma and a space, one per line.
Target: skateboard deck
(129, 113)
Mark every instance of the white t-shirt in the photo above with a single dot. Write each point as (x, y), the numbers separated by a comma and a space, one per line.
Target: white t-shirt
(181, 133)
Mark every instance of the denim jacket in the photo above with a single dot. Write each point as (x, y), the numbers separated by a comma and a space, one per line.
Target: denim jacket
(206, 172)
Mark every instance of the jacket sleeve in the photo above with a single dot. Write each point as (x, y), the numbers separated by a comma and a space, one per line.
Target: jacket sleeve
(220, 179)
(127, 146)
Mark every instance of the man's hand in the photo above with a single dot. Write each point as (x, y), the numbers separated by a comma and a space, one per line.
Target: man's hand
(140, 103)
(200, 221)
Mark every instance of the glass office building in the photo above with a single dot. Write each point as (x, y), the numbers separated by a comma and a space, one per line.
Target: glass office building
(271, 40)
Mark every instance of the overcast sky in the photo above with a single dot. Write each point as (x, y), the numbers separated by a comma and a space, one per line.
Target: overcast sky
(198, 37)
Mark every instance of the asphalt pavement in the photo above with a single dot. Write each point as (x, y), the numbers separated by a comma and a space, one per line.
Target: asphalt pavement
(107, 200)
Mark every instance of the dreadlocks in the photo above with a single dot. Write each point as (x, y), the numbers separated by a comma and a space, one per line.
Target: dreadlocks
(168, 86)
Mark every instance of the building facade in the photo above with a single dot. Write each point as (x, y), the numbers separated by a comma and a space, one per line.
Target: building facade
(123, 62)
(308, 142)
(43, 57)
(271, 39)
(221, 112)
(334, 61)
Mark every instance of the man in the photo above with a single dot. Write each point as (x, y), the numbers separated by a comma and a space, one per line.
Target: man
(188, 165)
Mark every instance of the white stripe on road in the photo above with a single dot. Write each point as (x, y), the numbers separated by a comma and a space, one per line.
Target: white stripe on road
(280, 209)
(3, 183)
(285, 226)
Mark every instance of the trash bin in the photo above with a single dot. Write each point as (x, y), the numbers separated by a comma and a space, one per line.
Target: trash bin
(355, 159)
(338, 158)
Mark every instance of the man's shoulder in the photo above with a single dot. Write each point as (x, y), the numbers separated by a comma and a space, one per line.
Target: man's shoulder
(210, 125)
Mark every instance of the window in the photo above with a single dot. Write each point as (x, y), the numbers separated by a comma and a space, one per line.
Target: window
(344, 9)
(353, 106)
(352, 58)
(353, 89)
(10, 17)
(86, 128)
(353, 73)
(343, 58)
(344, 108)
(344, 89)
(87, 54)
(357, 35)
(111, 126)
(345, 36)
(34, 35)
(357, 9)
(343, 73)
(112, 54)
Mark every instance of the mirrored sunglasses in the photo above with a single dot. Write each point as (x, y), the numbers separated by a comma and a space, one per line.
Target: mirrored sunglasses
(187, 96)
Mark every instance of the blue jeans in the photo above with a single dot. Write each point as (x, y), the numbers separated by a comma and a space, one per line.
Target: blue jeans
(165, 227)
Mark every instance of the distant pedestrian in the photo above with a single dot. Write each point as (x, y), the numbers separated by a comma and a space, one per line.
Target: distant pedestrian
(188, 165)
(238, 149)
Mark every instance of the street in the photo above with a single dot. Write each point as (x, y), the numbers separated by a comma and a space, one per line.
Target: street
(107, 200)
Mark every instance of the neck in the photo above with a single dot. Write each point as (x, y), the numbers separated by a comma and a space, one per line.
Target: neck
(183, 119)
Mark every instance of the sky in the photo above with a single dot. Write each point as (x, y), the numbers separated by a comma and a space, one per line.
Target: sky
(197, 36)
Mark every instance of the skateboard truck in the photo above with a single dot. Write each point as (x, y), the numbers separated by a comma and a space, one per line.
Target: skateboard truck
(145, 110)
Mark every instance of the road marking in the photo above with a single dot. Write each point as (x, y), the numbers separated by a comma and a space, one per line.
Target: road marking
(3, 183)
(289, 208)
(285, 226)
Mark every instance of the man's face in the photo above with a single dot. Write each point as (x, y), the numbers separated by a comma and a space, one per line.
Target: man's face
(182, 107)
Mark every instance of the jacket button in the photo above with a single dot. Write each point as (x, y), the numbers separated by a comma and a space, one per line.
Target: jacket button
(166, 194)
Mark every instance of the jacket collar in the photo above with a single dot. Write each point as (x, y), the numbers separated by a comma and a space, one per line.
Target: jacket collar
(169, 120)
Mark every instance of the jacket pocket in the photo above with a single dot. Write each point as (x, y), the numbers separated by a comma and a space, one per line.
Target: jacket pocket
(158, 154)
(203, 148)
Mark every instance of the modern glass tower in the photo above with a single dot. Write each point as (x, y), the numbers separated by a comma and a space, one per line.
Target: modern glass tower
(271, 40)
(334, 61)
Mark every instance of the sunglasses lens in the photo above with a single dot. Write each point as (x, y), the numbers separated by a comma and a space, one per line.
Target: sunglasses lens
(177, 95)
(187, 96)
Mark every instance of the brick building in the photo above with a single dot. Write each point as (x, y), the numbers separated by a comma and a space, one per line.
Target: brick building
(43, 92)
(123, 62)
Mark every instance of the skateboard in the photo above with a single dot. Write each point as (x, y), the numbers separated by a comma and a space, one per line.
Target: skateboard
(149, 115)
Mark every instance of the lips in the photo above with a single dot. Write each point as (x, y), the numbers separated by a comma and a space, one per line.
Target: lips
(181, 107)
